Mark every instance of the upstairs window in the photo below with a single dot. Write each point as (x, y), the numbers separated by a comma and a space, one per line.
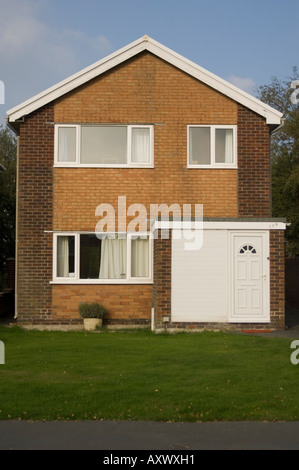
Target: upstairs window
(212, 147)
(104, 145)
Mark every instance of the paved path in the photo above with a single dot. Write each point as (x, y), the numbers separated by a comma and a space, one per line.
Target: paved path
(130, 435)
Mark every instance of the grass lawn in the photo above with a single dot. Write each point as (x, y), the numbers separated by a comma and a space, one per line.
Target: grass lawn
(139, 375)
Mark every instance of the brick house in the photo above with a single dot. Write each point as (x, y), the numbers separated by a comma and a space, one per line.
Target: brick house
(141, 130)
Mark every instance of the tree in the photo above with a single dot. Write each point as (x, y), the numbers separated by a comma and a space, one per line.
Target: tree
(283, 96)
(8, 151)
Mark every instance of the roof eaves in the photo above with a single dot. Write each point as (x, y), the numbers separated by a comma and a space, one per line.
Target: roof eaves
(272, 116)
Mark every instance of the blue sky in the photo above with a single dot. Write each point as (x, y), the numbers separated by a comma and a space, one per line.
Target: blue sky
(45, 41)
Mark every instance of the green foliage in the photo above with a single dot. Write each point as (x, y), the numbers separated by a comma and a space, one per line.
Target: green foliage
(285, 157)
(8, 151)
(92, 310)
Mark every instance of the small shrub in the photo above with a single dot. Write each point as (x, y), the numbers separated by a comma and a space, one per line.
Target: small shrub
(92, 310)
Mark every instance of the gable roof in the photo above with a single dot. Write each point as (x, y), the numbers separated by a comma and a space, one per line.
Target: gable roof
(272, 116)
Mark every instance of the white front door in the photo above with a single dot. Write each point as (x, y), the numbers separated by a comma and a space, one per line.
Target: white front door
(250, 277)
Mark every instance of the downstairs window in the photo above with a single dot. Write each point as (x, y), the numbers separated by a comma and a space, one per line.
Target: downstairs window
(100, 258)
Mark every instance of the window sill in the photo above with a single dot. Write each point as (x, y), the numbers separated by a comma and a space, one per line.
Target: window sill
(101, 282)
(212, 167)
(74, 165)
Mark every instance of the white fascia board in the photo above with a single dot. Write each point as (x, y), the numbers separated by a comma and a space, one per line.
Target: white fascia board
(271, 115)
(218, 225)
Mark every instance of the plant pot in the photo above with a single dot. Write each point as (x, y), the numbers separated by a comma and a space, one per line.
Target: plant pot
(91, 324)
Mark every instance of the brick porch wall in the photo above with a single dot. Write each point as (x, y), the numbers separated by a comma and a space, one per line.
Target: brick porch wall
(277, 279)
(162, 278)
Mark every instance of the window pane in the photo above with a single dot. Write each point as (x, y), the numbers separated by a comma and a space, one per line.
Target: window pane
(141, 145)
(65, 256)
(224, 146)
(140, 257)
(67, 144)
(200, 147)
(113, 257)
(104, 145)
(90, 256)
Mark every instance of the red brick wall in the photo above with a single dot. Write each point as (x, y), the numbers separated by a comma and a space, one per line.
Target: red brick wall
(254, 196)
(277, 278)
(35, 201)
(162, 278)
(125, 304)
(145, 90)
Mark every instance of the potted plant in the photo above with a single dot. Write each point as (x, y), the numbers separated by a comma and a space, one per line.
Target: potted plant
(92, 314)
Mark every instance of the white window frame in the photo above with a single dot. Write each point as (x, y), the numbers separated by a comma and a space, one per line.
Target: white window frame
(129, 163)
(76, 278)
(76, 260)
(213, 163)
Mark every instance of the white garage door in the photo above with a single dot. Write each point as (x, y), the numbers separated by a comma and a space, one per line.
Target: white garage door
(200, 279)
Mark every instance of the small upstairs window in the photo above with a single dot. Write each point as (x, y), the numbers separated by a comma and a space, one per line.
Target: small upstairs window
(212, 146)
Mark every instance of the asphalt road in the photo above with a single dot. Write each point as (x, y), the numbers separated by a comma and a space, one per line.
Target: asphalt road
(134, 436)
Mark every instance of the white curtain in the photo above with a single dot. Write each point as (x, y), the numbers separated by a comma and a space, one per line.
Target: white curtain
(113, 258)
(62, 142)
(140, 256)
(229, 146)
(63, 256)
(140, 145)
(67, 144)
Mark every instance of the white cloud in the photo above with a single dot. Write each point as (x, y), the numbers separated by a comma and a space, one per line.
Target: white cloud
(19, 28)
(245, 84)
(21, 32)
(35, 55)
